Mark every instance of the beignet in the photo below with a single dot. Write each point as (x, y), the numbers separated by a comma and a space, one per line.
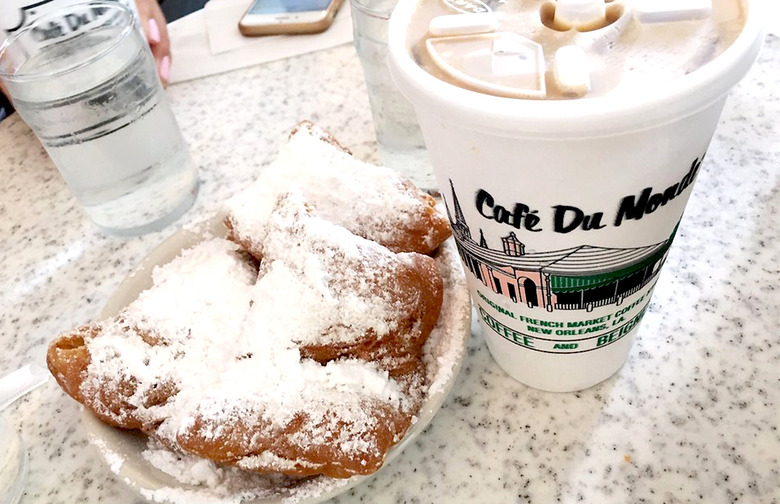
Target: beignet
(308, 364)
(371, 201)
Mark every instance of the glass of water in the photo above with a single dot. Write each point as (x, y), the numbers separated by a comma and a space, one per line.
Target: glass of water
(83, 78)
(399, 140)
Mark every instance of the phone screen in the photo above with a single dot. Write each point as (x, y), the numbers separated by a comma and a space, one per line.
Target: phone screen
(275, 6)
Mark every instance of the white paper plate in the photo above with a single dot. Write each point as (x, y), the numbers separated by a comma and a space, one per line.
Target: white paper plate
(123, 450)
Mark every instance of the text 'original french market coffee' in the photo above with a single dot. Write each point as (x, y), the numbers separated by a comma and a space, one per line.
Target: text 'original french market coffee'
(566, 137)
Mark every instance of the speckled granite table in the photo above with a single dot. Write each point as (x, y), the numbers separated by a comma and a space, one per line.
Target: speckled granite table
(692, 417)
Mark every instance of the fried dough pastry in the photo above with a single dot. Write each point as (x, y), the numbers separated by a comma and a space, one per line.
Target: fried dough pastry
(126, 369)
(111, 400)
(367, 313)
(249, 441)
(371, 201)
(308, 364)
(375, 305)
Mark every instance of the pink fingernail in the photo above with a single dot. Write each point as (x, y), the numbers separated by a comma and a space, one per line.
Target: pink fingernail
(165, 68)
(154, 32)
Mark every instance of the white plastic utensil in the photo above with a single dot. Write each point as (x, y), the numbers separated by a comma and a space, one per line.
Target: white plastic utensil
(20, 382)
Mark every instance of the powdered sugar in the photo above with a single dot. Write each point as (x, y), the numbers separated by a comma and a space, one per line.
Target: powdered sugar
(115, 460)
(331, 272)
(371, 201)
(224, 485)
(214, 353)
(443, 351)
(172, 334)
(186, 469)
(211, 353)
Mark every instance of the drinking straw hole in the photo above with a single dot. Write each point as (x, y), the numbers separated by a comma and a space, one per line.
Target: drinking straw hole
(547, 15)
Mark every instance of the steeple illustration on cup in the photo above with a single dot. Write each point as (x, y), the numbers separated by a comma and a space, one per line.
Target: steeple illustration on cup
(577, 278)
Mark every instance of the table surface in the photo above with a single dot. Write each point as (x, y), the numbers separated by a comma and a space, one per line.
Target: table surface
(692, 416)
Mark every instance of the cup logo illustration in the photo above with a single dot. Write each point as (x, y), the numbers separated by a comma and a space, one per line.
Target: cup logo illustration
(570, 300)
(15, 16)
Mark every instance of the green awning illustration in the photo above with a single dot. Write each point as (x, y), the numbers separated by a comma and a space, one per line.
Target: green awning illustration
(574, 278)
(577, 283)
(580, 262)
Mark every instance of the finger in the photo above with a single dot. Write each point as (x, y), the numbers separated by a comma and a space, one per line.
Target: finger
(161, 49)
(164, 70)
(144, 15)
(156, 30)
(152, 32)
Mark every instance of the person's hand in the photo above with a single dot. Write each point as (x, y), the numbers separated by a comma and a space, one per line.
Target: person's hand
(156, 29)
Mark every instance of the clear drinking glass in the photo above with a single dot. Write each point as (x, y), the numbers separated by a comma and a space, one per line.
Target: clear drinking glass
(399, 140)
(83, 78)
(13, 464)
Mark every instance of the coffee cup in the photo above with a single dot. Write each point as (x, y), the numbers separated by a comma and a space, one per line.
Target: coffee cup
(565, 175)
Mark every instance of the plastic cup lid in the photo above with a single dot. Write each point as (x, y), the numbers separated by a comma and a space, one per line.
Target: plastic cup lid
(502, 113)
(13, 464)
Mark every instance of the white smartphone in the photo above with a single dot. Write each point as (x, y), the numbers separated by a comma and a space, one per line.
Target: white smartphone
(275, 17)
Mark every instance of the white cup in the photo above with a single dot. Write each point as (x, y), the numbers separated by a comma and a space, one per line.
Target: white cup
(564, 210)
